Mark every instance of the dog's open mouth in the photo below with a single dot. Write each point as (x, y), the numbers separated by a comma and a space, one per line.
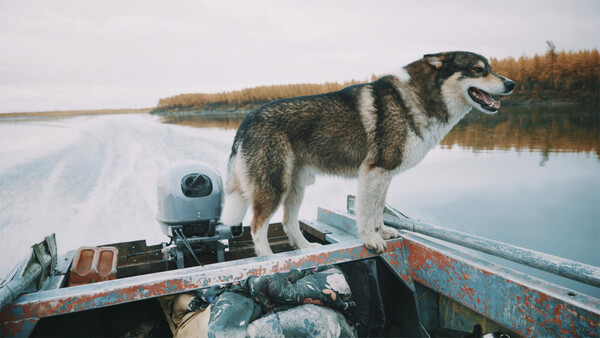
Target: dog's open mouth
(484, 99)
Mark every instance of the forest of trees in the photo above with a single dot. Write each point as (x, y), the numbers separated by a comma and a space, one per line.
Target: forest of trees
(247, 98)
(566, 76)
(572, 76)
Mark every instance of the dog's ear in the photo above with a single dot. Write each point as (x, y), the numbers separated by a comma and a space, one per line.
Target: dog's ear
(436, 60)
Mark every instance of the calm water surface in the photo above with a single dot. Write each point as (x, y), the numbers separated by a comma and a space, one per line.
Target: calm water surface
(526, 176)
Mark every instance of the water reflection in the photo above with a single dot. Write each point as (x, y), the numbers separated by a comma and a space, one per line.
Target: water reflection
(548, 130)
(544, 129)
(225, 120)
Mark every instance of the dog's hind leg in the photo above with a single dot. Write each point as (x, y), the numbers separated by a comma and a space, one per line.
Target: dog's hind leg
(264, 205)
(269, 168)
(372, 189)
(291, 206)
(268, 190)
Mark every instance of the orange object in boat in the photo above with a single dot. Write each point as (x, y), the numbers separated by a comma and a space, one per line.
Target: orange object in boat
(93, 264)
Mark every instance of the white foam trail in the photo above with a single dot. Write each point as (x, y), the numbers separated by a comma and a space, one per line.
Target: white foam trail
(96, 184)
(23, 142)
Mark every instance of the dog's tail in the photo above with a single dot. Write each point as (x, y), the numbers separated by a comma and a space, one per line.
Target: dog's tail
(236, 204)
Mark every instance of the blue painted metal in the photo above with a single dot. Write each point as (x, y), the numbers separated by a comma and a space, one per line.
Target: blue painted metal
(567, 268)
(520, 302)
(398, 262)
(332, 234)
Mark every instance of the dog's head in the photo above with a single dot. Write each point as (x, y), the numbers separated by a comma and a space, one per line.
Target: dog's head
(470, 75)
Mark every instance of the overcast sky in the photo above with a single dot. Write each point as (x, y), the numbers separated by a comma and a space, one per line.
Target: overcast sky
(74, 54)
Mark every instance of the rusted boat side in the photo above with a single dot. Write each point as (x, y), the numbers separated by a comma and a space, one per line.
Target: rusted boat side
(519, 302)
(18, 318)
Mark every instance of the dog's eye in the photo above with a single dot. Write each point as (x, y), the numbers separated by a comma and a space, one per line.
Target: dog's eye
(478, 70)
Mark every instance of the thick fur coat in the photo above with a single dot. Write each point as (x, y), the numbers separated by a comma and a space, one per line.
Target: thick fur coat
(370, 131)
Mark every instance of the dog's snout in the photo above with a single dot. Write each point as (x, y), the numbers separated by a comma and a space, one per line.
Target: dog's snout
(509, 85)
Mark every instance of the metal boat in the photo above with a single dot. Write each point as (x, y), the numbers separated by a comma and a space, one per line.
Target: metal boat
(432, 281)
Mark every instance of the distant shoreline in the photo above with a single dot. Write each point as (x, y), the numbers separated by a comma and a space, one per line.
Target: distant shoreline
(69, 113)
(248, 107)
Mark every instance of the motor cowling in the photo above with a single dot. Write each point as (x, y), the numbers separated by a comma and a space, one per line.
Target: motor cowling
(190, 197)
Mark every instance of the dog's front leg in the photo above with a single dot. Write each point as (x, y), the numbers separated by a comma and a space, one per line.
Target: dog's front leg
(373, 184)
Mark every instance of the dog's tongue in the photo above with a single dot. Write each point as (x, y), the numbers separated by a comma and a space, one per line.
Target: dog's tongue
(488, 99)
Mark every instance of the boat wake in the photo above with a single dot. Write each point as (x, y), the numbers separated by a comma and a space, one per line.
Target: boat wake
(91, 180)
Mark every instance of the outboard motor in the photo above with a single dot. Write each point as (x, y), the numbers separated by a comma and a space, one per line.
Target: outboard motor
(190, 200)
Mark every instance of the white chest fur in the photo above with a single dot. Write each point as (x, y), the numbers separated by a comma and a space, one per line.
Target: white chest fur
(417, 147)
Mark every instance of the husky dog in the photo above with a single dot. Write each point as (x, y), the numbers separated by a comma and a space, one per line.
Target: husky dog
(371, 131)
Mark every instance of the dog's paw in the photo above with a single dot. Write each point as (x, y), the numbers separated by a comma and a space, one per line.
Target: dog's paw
(262, 250)
(388, 232)
(374, 242)
(302, 243)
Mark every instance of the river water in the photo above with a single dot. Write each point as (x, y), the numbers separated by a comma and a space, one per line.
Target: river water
(526, 176)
